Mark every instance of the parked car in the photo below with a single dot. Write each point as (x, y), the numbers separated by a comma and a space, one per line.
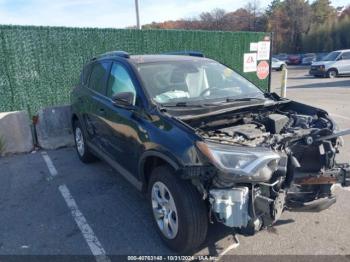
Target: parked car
(282, 57)
(203, 143)
(308, 59)
(278, 64)
(294, 60)
(334, 64)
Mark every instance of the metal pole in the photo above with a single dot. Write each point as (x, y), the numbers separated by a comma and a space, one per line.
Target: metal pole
(284, 79)
(138, 25)
(270, 61)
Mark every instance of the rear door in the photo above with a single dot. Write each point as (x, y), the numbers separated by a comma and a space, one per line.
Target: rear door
(95, 99)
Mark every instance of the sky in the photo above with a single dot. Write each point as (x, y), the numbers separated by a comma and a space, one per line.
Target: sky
(111, 13)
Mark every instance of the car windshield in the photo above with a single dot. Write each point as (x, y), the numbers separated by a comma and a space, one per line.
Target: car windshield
(331, 56)
(191, 81)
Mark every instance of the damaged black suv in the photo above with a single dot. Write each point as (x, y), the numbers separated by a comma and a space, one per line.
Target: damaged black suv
(204, 143)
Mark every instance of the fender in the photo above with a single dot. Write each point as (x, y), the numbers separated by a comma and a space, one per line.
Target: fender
(155, 153)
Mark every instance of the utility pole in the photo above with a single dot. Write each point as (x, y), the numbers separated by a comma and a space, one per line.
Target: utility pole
(138, 25)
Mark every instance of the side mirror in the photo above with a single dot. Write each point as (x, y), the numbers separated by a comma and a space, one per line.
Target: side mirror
(124, 99)
(339, 58)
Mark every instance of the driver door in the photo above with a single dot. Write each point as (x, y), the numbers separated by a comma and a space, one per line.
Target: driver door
(123, 134)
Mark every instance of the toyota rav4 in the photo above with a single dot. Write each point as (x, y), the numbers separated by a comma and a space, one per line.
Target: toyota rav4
(204, 144)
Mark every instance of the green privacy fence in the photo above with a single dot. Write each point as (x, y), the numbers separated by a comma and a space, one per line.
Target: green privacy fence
(40, 65)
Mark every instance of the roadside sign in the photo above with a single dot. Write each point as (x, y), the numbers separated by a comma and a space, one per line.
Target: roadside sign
(249, 62)
(263, 70)
(253, 47)
(263, 50)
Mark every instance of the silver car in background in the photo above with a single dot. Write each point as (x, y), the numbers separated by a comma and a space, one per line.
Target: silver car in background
(308, 59)
(278, 65)
(334, 64)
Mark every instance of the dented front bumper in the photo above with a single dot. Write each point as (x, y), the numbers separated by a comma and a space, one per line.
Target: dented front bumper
(315, 191)
(248, 207)
(339, 174)
(295, 185)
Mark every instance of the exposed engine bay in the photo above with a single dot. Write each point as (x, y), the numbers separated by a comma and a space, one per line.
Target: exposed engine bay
(270, 159)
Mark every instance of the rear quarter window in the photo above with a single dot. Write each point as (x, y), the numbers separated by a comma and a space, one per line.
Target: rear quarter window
(85, 75)
(98, 77)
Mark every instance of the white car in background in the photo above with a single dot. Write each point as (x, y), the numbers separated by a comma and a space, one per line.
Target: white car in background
(278, 64)
(334, 64)
(308, 59)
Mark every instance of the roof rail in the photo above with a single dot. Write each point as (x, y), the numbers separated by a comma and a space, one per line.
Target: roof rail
(113, 53)
(189, 53)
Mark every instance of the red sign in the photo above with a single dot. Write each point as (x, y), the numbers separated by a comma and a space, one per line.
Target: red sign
(263, 70)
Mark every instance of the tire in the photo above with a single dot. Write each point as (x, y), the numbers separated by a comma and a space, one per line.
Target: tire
(190, 210)
(81, 147)
(332, 73)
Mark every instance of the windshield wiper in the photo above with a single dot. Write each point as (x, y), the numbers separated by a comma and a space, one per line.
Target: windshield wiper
(180, 104)
(230, 99)
(209, 104)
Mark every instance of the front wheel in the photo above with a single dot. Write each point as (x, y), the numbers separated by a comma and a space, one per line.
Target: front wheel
(180, 215)
(332, 73)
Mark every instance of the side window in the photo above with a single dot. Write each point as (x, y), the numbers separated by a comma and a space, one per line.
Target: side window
(120, 81)
(346, 56)
(98, 77)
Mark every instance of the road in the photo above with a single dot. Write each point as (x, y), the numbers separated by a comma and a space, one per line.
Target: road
(55, 205)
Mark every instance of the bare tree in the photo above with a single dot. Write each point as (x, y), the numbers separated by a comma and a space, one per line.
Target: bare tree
(237, 20)
(253, 9)
(213, 20)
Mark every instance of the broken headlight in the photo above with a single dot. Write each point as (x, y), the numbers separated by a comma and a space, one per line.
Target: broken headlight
(243, 164)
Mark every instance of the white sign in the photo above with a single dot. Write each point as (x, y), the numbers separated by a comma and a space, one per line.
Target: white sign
(253, 47)
(264, 50)
(249, 62)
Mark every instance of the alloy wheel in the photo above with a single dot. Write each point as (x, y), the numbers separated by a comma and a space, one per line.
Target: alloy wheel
(79, 140)
(164, 210)
(332, 74)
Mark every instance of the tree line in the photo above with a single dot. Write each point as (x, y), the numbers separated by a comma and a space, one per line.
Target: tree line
(298, 25)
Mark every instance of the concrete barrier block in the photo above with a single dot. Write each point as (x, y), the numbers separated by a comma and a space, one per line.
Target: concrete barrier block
(54, 129)
(15, 133)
